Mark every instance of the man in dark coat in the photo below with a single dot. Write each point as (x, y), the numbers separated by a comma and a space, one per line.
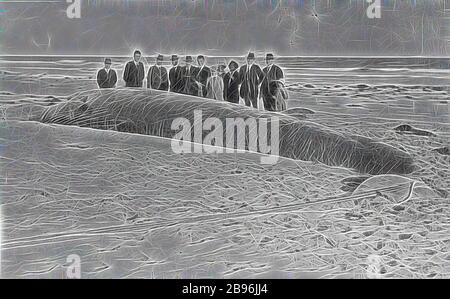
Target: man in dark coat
(134, 72)
(157, 76)
(190, 85)
(251, 77)
(202, 75)
(272, 73)
(107, 77)
(176, 76)
(231, 83)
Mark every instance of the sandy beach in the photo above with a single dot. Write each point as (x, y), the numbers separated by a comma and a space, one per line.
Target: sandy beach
(131, 208)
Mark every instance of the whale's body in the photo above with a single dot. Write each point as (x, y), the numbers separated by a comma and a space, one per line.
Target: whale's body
(152, 112)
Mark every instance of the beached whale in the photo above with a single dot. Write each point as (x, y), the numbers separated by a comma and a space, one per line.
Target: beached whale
(153, 112)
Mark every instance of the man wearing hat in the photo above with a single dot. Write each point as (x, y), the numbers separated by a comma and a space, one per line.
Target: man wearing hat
(273, 77)
(157, 75)
(231, 83)
(190, 85)
(107, 77)
(176, 75)
(202, 75)
(214, 85)
(134, 72)
(251, 77)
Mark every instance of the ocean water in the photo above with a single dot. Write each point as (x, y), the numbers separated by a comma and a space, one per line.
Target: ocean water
(420, 71)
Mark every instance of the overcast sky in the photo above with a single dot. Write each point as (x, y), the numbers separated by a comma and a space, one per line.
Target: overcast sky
(227, 27)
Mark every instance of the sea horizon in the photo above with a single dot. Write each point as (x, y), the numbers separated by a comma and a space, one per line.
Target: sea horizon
(240, 56)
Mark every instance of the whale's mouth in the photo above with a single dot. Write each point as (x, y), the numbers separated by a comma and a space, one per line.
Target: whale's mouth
(154, 113)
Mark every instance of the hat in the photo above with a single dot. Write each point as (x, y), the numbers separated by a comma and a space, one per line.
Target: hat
(160, 57)
(251, 55)
(200, 57)
(174, 57)
(107, 60)
(188, 58)
(232, 62)
(269, 56)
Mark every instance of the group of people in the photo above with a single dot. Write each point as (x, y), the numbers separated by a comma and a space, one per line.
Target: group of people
(248, 83)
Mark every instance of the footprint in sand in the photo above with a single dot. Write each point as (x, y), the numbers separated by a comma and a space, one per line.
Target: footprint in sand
(407, 129)
(299, 112)
(442, 150)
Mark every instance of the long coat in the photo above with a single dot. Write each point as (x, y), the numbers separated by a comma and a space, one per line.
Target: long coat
(250, 79)
(231, 87)
(134, 75)
(106, 79)
(202, 75)
(271, 73)
(189, 81)
(176, 79)
(214, 88)
(157, 78)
